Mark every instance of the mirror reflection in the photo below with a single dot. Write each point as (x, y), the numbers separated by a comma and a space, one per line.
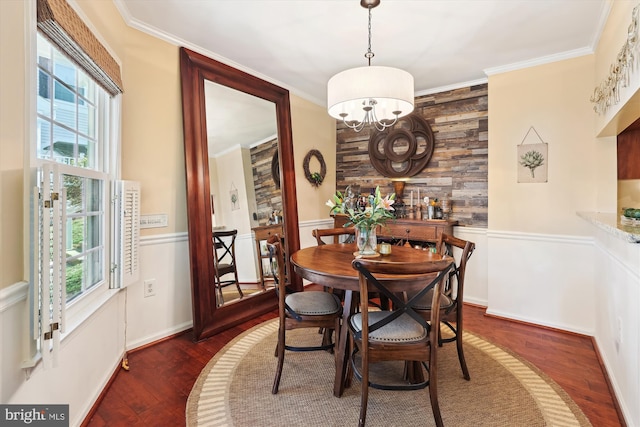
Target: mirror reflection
(246, 201)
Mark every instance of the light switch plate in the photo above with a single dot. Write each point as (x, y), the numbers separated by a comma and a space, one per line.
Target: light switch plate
(153, 221)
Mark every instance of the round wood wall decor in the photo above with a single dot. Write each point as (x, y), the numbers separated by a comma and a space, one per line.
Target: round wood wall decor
(315, 178)
(275, 169)
(403, 150)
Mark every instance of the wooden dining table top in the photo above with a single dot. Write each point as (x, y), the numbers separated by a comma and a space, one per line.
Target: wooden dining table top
(330, 265)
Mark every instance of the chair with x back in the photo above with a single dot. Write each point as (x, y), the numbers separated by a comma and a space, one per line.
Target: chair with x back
(224, 261)
(343, 235)
(451, 303)
(401, 334)
(306, 309)
(334, 235)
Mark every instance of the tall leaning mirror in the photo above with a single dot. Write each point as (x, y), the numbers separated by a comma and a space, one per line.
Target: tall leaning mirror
(240, 181)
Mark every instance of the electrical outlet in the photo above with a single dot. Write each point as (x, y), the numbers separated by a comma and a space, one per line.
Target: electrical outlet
(149, 288)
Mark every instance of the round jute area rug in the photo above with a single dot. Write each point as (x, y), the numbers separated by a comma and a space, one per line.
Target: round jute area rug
(234, 389)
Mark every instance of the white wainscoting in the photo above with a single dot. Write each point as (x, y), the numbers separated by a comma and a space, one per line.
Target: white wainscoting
(164, 258)
(307, 227)
(542, 279)
(87, 358)
(617, 317)
(476, 285)
(548, 280)
(92, 352)
(247, 259)
(14, 336)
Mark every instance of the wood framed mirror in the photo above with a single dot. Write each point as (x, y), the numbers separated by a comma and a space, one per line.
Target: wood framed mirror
(197, 71)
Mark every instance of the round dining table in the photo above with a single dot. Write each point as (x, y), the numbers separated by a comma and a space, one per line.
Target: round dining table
(330, 265)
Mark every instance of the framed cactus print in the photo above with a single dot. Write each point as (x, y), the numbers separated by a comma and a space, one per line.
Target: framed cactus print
(533, 160)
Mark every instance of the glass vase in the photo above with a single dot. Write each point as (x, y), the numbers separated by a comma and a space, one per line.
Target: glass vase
(366, 239)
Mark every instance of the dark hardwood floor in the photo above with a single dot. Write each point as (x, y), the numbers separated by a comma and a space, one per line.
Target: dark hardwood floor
(155, 389)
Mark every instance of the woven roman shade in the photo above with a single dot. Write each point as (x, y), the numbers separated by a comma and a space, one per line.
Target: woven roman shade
(61, 24)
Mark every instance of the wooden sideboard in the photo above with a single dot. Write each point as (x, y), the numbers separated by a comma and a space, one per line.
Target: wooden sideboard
(261, 234)
(414, 230)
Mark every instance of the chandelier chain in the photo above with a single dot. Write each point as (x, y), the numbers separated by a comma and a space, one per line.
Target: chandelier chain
(375, 96)
(369, 53)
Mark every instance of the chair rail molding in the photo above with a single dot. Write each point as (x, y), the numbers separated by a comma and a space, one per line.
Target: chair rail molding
(13, 294)
(552, 238)
(158, 239)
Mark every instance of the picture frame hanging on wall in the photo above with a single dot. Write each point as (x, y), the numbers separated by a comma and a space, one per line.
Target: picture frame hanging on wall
(233, 193)
(532, 160)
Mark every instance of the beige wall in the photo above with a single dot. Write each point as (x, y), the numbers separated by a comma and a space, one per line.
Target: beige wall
(152, 144)
(613, 37)
(313, 128)
(554, 98)
(13, 125)
(152, 138)
(231, 175)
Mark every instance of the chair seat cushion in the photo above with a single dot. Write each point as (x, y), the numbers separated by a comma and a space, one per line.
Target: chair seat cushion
(309, 303)
(424, 303)
(402, 329)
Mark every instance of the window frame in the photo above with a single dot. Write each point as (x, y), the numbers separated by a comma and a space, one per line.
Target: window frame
(108, 123)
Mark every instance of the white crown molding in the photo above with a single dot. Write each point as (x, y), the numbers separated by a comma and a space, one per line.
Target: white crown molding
(451, 87)
(171, 39)
(263, 140)
(604, 16)
(588, 50)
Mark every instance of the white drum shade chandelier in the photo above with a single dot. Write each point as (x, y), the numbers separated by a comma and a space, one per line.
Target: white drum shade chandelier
(370, 95)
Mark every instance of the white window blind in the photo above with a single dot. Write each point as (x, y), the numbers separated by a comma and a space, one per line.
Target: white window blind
(127, 212)
(50, 296)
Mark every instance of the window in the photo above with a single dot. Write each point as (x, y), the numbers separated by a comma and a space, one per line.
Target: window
(72, 113)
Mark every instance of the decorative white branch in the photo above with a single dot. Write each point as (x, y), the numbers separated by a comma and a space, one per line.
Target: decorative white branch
(608, 92)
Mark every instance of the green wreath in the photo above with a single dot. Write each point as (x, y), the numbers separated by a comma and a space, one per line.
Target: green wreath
(315, 178)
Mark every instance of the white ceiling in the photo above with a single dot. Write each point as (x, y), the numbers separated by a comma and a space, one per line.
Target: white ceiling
(300, 44)
(236, 118)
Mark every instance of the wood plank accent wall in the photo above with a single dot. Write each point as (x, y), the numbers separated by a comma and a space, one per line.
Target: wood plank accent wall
(268, 196)
(459, 166)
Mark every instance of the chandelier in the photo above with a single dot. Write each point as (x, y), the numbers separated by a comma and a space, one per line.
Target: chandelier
(370, 95)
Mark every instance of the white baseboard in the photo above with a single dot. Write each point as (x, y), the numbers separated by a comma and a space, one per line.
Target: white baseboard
(538, 322)
(159, 335)
(476, 301)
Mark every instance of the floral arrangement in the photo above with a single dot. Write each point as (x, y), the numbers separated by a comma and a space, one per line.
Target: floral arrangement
(377, 211)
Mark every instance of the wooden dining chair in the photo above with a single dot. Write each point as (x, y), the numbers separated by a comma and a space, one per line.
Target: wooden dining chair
(451, 303)
(401, 334)
(334, 235)
(224, 261)
(306, 309)
(338, 235)
(350, 234)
